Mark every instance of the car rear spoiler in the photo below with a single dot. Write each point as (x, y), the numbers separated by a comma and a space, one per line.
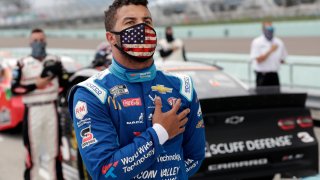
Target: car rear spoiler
(252, 102)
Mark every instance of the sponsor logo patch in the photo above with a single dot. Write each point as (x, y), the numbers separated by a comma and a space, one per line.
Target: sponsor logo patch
(200, 124)
(87, 137)
(161, 89)
(80, 110)
(119, 90)
(131, 102)
(107, 170)
(172, 100)
(234, 120)
(140, 121)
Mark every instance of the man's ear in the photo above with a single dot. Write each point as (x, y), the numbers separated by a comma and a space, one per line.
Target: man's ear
(111, 38)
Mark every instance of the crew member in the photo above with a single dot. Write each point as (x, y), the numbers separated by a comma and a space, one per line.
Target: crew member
(38, 81)
(171, 48)
(267, 53)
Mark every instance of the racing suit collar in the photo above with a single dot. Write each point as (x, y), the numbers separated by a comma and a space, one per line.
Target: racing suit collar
(131, 75)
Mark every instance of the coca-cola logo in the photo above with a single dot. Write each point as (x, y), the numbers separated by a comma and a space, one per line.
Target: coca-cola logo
(131, 102)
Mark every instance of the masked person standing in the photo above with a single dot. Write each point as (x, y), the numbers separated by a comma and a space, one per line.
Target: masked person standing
(38, 81)
(171, 48)
(125, 124)
(267, 53)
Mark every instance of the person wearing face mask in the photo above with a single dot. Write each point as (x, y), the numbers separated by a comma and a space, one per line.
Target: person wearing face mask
(38, 78)
(171, 48)
(131, 120)
(267, 53)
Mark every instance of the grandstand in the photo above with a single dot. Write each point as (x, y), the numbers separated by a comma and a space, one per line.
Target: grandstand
(84, 13)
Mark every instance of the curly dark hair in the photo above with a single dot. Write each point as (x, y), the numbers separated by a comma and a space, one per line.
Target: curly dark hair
(110, 14)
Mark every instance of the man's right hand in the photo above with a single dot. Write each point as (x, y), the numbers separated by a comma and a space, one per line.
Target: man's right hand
(43, 82)
(273, 48)
(173, 123)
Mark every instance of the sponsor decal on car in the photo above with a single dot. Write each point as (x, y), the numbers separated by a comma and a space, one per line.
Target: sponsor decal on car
(119, 90)
(305, 137)
(234, 120)
(161, 89)
(81, 110)
(87, 137)
(292, 157)
(5, 117)
(107, 170)
(131, 102)
(172, 100)
(248, 145)
(238, 164)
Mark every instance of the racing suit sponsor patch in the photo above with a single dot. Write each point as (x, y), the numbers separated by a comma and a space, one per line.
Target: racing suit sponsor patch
(119, 90)
(172, 100)
(186, 88)
(143, 152)
(139, 121)
(161, 89)
(107, 170)
(94, 88)
(200, 124)
(87, 137)
(131, 102)
(81, 110)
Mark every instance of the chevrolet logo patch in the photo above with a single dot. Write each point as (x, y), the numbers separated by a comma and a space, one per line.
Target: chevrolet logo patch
(161, 89)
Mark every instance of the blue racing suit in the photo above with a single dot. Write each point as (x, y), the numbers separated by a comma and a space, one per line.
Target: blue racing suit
(112, 115)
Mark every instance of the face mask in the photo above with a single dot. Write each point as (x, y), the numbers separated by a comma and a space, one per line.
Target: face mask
(38, 49)
(268, 32)
(169, 37)
(138, 42)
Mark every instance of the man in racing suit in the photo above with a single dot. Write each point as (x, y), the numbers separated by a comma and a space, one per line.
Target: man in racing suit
(131, 120)
(38, 82)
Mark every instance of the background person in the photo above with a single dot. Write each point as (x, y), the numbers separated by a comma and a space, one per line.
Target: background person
(267, 53)
(122, 127)
(171, 48)
(38, 81)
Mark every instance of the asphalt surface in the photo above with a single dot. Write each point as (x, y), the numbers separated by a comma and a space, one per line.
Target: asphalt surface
(295, 45)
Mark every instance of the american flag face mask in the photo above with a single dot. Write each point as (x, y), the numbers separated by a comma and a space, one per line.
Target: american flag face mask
(138, 41)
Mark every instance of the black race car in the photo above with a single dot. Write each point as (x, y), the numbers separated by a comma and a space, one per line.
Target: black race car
(249, 133)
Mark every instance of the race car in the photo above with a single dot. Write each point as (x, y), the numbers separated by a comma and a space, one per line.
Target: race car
(250, 133)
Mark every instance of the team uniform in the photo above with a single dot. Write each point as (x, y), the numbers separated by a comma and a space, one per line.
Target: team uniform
(167, 53)
(112, 116)
(267, 71)
(41, 122)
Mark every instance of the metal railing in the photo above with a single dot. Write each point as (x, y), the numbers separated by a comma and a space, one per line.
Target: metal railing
(298, 71)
